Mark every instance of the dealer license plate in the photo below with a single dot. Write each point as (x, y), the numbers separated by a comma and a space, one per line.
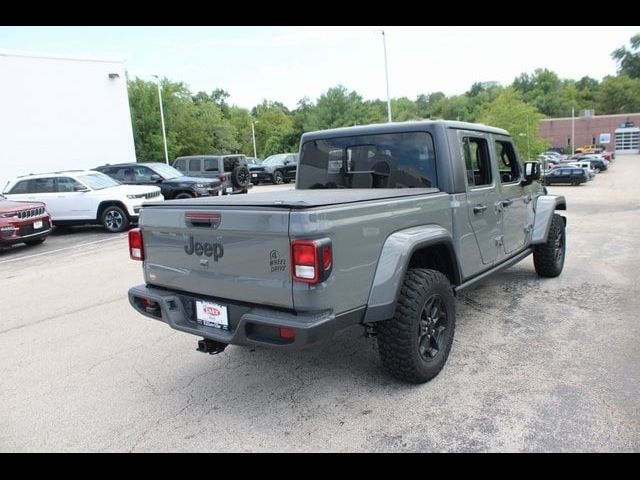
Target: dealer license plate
(212, 314)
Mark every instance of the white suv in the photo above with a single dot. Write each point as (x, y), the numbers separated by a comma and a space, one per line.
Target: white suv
(81, 197)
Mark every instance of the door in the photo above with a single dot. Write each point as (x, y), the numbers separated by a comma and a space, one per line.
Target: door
(514, 202)
(74, 199)
(484, 215)
(291, 167)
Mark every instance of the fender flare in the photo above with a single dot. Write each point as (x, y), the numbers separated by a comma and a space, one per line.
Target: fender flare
(546, 205)
(392, 266)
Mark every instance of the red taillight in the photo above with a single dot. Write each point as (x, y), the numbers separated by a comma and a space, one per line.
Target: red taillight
(223, 178)
(311, 260)
(136, 249)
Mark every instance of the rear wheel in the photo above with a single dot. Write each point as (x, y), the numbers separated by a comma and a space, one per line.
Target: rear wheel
(548, 257)
(183, 195)
(414, 345)
(277, 177)
(115, 219)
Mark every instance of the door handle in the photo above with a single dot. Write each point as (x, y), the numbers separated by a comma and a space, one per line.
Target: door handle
(506, 203)
(479, 208)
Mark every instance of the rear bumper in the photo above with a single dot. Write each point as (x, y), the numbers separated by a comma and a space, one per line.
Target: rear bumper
(248, 324)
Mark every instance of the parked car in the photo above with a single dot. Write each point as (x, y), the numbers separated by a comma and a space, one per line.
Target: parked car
(586, 166)
(253, 161)
(598, 163)
(231, 170)
(80, 197)
(23, 222)
(280, 168)
(573, 176)
(172, 183)
(589, 149)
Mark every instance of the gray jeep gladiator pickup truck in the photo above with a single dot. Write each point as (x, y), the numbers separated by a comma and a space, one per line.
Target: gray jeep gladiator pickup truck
(385, 225)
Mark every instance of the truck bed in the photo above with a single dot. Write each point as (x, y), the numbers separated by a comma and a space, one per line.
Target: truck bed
(297, 199)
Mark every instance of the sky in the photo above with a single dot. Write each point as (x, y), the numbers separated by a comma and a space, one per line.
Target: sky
(286, 64)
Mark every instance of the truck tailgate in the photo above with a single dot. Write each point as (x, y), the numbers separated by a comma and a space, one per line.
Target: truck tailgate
(226, 252)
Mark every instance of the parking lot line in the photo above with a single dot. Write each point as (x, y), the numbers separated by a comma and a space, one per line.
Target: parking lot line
(25, 257)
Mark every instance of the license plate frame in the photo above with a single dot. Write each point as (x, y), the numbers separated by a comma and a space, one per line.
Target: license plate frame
(212, 314)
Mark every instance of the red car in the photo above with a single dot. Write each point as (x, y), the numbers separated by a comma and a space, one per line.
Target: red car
(23, 222)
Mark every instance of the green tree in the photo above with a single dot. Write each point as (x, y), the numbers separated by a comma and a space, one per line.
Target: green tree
(545, 91)
(628, 59)
(619, 95)
(508, 111)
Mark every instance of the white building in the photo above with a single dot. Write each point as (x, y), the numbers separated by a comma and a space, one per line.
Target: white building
(61, 113)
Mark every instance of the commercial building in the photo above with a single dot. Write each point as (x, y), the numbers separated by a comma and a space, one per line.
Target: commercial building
(61, 113)
(619, 133)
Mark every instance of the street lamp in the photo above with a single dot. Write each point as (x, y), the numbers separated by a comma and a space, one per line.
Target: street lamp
(164, 131)
(253, 135)
(386, 73)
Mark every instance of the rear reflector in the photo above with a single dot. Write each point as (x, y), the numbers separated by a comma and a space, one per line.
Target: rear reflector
(287, 333)
(136, 248)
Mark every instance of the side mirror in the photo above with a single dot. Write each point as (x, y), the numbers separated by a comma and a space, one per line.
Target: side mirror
(156, 178)
(531, 172)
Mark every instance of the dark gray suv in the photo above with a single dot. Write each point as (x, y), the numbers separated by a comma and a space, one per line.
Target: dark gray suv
(232, 170)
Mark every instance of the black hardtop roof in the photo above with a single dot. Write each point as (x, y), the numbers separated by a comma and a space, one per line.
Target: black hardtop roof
(397, 127)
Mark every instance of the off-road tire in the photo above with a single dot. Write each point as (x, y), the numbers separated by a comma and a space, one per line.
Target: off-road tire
(547, 259)
(114, 219)
(240, 176)
(404, 342)
(183, 195)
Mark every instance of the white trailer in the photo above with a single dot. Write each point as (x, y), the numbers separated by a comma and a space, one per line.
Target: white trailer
(62, 113)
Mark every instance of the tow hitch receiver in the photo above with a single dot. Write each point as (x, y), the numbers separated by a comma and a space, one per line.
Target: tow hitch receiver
(211, 347)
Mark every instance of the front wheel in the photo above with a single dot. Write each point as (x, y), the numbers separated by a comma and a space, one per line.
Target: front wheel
(414, 345)
(115, 219)
(183, 195)
(548, 257)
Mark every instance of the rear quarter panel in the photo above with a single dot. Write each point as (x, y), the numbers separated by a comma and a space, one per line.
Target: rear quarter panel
(358, 232)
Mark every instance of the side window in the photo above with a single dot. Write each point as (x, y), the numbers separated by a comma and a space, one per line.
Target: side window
(194, 165)
(180, 164)
(22, 187)
(43, 185)
(508, 165)
(210, 165)
(66, 184)
(142, 174)
(476, 159)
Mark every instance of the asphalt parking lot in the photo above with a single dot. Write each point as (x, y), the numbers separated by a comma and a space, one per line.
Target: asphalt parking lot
(536, 365)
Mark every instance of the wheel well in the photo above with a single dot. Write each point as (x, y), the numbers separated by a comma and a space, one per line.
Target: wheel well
(437, 257)
(179, 192)
(104, 205)
(561, 206)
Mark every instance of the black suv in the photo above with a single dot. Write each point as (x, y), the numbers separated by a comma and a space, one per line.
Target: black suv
(231, 170)
(573, 175)
(172, 183)
(280, 168)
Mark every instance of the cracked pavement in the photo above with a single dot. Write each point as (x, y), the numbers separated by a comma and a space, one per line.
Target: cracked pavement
(536, 365)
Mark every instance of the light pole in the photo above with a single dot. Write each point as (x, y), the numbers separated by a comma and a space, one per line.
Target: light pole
(526, 135)
(253, 135)
(386, 73)
(164, 132)
(573, 129)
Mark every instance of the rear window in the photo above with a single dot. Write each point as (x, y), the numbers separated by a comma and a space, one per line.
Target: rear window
(390, 160)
